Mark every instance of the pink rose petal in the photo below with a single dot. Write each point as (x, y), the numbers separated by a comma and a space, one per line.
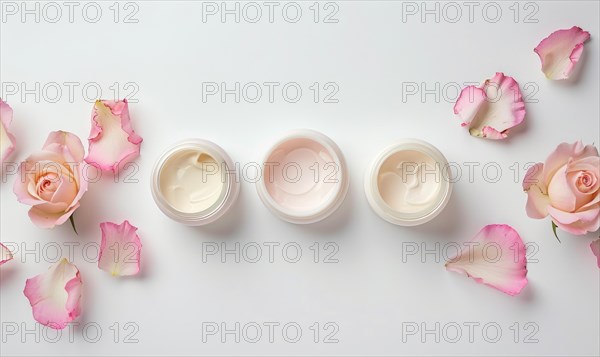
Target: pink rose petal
(7, 140)
(561, 51)
(587, 219)
(5, 254)
(495, 257)
(55, 295)
(537, 197)
(120, 249)
(492, 109)
(112, 141)
(66, 144)
(595, 245)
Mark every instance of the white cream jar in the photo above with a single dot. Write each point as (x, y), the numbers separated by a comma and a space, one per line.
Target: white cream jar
(194, 182)
(408, 183)
(305, 178)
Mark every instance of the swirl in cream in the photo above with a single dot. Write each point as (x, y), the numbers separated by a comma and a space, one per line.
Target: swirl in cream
(191, 181)
(409, 181)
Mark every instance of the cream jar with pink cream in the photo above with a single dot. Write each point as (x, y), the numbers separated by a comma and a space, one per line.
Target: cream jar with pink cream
(304, 177)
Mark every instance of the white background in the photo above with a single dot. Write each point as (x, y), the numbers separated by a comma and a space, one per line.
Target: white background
(371, 54)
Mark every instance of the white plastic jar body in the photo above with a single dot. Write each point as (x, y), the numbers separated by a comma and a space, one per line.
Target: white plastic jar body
(335, 178)
(441, 175)
(227, 197)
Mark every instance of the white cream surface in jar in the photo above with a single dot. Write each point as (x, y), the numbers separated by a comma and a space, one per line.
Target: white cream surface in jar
(191, 181)
(409, 181)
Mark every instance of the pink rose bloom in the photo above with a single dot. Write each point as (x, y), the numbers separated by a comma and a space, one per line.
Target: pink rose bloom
(566, 187)
(51, 181)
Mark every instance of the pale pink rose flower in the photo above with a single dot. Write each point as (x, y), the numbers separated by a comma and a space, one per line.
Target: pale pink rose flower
(567, 188)
(52, 181)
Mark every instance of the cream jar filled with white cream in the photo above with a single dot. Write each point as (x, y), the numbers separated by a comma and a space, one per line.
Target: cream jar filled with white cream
(408, 183)
(194, 182)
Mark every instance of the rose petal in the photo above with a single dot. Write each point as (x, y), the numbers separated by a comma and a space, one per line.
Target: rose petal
(592, 203)
(66, 144)
(590, 163)
(572, 217)
(561, 51)
(112, 141)
(7, 140)
(5, 254)
(578, 223)
(48, 215)
(55, 295)
(595, 245)
(563, 153)
(492, 109)
(537, 199)
(120, 249)
(560, 192)
(495, 257)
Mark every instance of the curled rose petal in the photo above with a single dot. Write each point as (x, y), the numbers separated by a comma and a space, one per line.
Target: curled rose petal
(491, 110)
(5, 254)
(495, 257)
(595, 245)
(561, 51)
(112, 141)
(7, 140)
(120, 249)
(55, 295)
